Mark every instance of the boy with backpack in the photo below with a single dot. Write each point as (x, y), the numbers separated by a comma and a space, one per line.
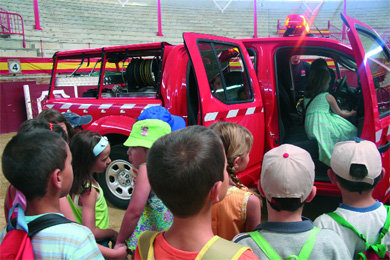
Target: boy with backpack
(38, 164)
(356, 168)
(286, 182)
(187, 171)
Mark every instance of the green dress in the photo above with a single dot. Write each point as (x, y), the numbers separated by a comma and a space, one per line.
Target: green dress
(155, 217)
(326, 127)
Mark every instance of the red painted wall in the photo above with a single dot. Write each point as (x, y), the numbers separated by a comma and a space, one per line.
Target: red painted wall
(12, 106)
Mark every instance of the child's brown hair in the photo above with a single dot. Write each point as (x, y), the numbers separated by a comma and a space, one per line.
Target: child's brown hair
(81, 146)
(237, 141)
(183, 166)
(318, 79)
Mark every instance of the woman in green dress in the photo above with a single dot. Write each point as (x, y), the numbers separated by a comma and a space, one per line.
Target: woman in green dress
(324, 120)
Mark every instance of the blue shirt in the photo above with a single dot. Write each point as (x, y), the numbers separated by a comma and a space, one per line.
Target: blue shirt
(63, 241)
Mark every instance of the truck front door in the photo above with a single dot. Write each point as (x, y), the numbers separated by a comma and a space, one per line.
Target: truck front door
(228, 90)
(373, 62)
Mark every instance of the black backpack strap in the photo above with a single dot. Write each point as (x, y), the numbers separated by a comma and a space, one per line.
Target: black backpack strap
(45, 221)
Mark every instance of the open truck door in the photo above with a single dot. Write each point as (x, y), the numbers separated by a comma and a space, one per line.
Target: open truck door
(228, 90)
(373, 62)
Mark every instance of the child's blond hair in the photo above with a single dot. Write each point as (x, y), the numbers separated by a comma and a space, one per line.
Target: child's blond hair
(237, 141)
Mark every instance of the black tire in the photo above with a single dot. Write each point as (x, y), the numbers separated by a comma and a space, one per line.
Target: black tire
(117, 181)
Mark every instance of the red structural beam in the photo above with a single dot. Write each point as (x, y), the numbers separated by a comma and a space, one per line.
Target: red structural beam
(254, 19)
(36, 15)
(159, 33)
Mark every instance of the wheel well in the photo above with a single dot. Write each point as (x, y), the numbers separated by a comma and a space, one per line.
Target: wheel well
(116, 138)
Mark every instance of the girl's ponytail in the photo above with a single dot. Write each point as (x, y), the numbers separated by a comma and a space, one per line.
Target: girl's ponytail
(237, 141)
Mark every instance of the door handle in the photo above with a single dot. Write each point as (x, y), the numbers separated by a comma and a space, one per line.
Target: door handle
(385, 147)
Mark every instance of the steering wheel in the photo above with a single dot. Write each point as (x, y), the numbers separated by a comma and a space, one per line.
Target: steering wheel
(347, 97)
(342, 86)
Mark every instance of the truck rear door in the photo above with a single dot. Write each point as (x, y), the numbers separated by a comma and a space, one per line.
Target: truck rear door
(228, 90)
(373, 62)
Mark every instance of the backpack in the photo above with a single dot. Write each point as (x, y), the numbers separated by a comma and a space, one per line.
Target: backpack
(215, 248)
(375, 251)
(272, 254)
(17, 242)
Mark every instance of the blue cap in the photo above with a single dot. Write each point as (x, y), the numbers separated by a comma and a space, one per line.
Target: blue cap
(159, 112)
(76, 120)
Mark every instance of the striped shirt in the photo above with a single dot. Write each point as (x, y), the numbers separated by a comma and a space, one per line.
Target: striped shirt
(63, 241)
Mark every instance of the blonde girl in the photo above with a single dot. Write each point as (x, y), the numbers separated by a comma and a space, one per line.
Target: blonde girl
(240, 210)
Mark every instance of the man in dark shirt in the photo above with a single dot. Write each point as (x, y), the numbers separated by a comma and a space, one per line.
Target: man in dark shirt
(300, 71)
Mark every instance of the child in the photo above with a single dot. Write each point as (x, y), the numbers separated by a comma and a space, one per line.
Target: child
(286, 182)
(77, 121)
(38, 164)
(186, 170)
(159, 112)
(55, 117)
(324, 120)
(90, 153)
(145, 210)
(240, 209)
(356, 168)
(12, 195)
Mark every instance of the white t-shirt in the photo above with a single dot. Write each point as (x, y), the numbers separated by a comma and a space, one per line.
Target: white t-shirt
(368, 221)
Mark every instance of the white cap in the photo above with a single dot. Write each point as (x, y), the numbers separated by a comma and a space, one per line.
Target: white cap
(287, 172)
(357, 151)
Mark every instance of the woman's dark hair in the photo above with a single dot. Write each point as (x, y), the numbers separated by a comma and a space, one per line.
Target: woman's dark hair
(81, 146)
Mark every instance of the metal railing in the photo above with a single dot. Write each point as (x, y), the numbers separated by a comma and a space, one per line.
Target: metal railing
(336, 33)
(11, 23)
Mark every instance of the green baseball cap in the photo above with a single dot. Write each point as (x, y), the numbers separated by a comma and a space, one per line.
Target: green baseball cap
(145, 132)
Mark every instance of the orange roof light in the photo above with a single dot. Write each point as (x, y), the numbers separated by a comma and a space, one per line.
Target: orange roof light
(297, 24)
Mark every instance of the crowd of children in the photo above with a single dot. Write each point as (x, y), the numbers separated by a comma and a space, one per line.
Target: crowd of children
(188, 202)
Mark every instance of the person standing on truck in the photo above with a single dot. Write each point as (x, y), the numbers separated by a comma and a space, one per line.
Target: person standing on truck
(240, 210)
(324, 120)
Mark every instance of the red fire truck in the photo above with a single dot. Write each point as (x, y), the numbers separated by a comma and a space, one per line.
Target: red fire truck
(115, 84)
